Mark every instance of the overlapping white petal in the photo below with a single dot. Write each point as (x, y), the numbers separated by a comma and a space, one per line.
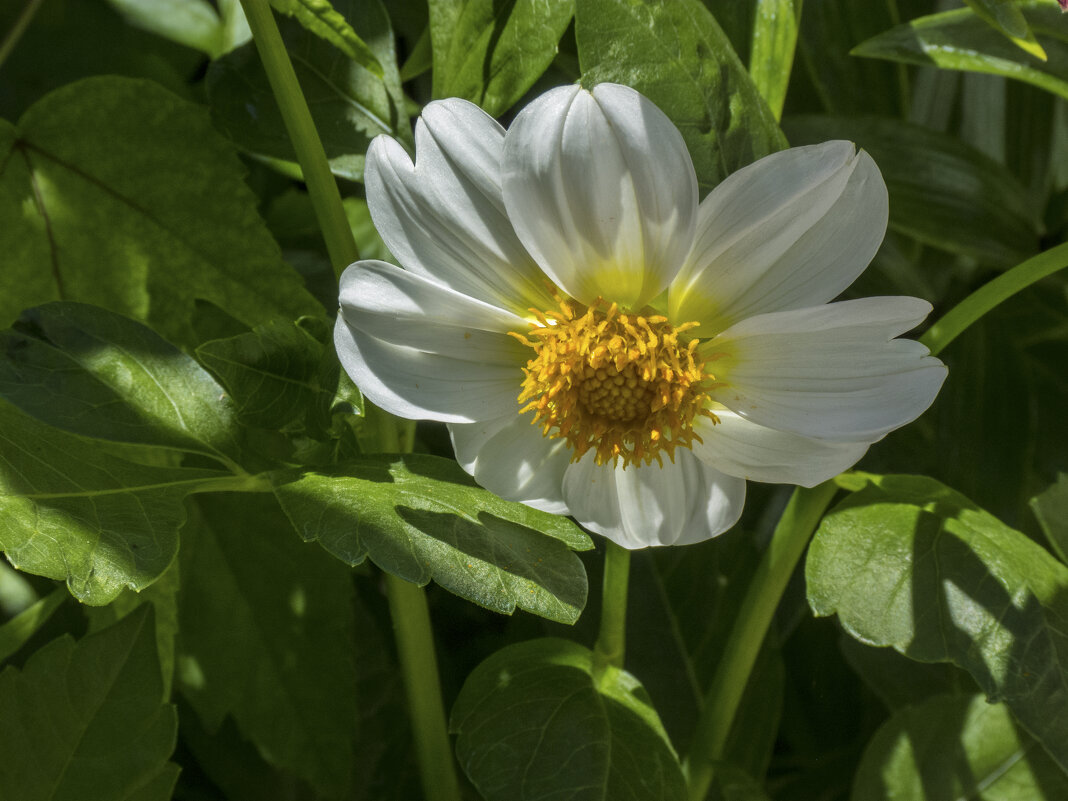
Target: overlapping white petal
(510, 457)
(739, 447)
(601, 191)
(683, 502)
(831, 372)
(789, 231)
(443, 217)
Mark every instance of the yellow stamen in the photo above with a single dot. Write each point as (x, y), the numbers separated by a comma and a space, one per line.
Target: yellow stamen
(624, 385)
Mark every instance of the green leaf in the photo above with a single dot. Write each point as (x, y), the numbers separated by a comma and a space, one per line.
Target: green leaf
(76, 513)
(98, 374)
(908, 562)
(17, 631)
(319, 17)
(942, 192)
(533, 722)
(772, 56)
(350, 104)
(1005, 16)
(960, 40)
(423, 518)
(87, 720)
(265, 637)
(491, 52)
(899, 681)
(1051, 509)
(956, 746)
(677, 56)
(116, 216)
(193, 23)
(272, 372)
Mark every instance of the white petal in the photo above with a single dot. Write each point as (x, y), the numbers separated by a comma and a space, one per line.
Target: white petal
(405, 309)
(831, 372)
(678, 504)
(511, 458)
(444, 217)
(741, 448)
(601, 191)
(789, 231)
(426, 386)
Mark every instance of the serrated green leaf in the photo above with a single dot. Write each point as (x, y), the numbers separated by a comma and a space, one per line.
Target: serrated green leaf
(117, 216)
(491, 52)
(677, 56)
(350, 104)
(956, 746)
(942, 192)
(422, 518)
(98, 374)
(534, 723)
(193, 23)
(910, 563)
(271, 372)
(1051, 509)
(75, 513)
(86, 720)
(266, 633)
(319, 17)
(960, 40)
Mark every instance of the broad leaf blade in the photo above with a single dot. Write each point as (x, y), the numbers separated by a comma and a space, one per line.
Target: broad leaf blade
(87, 720)
(491, 52)
(98, 374)
(423, 518)
(677, 56)
(908, 562)
(533, 723)
(959, 40)
(117, 216)
(319, 17)
(1051, 509)
(956, 746)
(350, 104)
(75, 513)
(942, 192)
(193, 23)
(265, 637)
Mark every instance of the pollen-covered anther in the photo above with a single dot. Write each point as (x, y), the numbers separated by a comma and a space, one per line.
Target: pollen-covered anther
(628, 386)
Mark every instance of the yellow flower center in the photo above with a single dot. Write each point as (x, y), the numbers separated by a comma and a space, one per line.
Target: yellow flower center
(627, 386)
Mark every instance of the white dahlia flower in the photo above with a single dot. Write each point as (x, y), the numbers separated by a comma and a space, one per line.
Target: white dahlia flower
(600, 343)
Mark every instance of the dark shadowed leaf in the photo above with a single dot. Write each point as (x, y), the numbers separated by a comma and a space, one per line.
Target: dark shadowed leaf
(491, 52)
(142, 212)
(533, 723)
(423, 518)
(1051, 509)
(87, 720)
(956, 747)
(677, 56)
(322, 19)
(910, 563)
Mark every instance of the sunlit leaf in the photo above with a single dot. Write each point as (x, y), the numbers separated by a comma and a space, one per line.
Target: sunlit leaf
(491, 52)
(194, 23)
(775, 30)
(677, 56)
(910, 563)
(960, 40)
(423, 518)
(142, 212)
(1006, 17)
(534, 723)
(322, 19)
(87, 719)
(956, 746)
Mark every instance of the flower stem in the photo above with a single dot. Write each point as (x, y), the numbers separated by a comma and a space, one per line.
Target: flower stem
(415, 647)
(612, 638)
(19, 28)
(956, 320)
(791, 535)
(325, 197)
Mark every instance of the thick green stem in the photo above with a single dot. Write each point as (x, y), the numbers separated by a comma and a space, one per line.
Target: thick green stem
(986, 297)
(612, 638)
(788, 543)
(415, 647)
(325, 198)
(19, 28)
